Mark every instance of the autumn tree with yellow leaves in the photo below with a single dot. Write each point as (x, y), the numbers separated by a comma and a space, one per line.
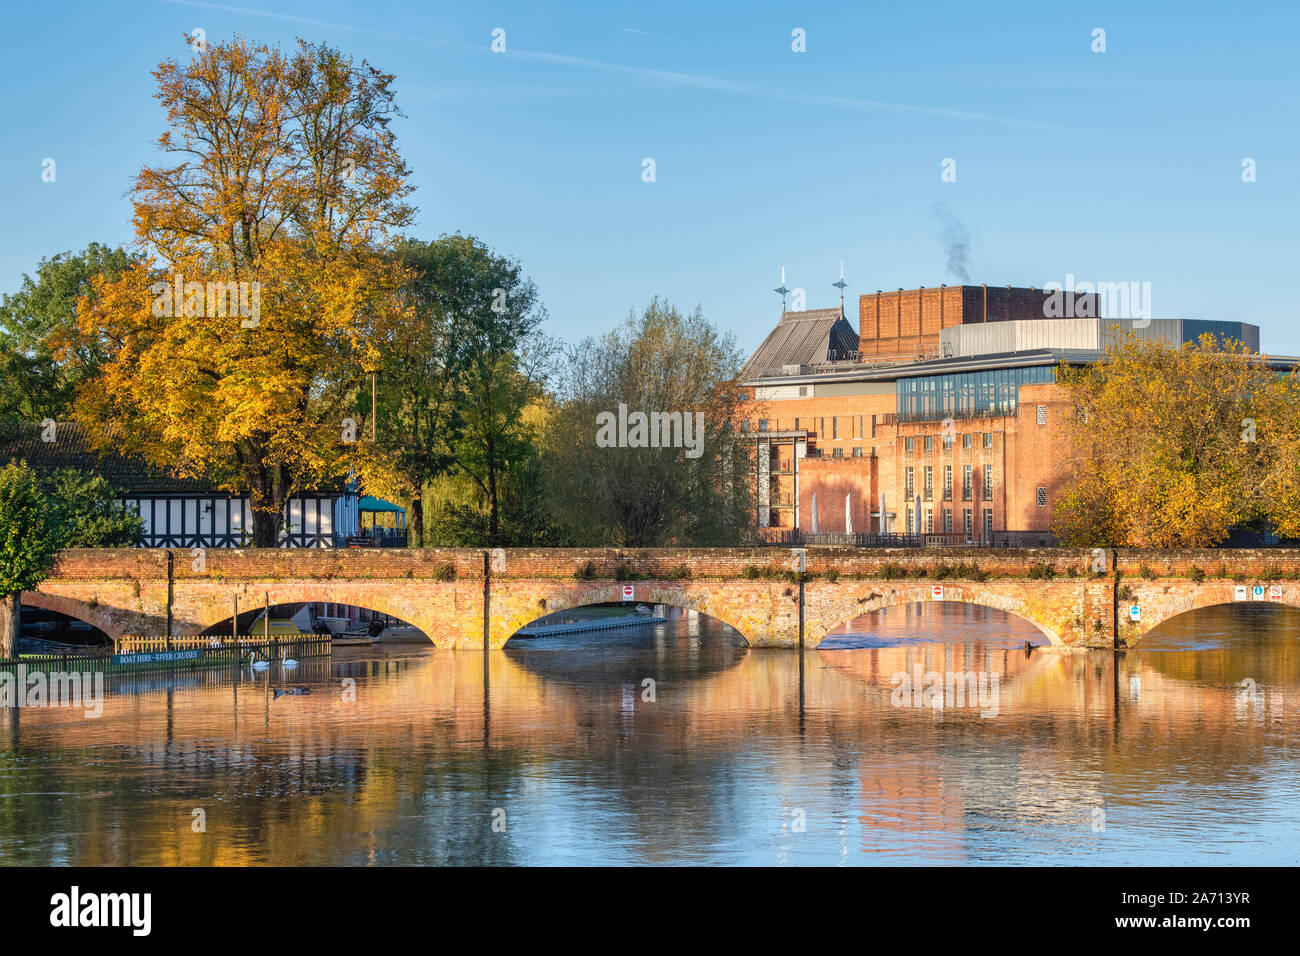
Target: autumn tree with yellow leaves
(1174, 447)
(237, 347)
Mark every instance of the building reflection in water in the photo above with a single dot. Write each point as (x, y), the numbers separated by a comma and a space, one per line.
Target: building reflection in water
(734, 756)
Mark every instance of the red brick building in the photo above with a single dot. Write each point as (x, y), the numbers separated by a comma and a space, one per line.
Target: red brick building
(942, 419)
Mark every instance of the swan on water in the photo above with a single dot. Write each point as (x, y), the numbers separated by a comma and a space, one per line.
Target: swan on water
(255, 664)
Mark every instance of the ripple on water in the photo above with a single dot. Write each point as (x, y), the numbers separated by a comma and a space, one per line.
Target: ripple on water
(678, 743)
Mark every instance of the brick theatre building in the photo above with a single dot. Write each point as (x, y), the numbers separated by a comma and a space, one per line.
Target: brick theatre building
(848, 418)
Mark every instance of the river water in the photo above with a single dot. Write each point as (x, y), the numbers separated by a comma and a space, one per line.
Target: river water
(676, 743)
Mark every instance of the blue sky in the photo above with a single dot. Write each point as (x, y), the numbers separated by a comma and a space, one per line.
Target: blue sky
(1115, 166)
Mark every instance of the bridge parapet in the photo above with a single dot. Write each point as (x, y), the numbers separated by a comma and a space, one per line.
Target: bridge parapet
(1270, 564)
(739, 563)
(759, 591)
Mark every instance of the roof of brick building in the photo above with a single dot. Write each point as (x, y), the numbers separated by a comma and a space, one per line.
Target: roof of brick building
(803, 338)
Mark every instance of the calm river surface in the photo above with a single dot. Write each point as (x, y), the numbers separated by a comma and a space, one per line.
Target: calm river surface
(675, 743)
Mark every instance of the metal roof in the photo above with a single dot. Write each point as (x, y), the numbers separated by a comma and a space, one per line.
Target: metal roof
(973, 363)
(889, 373)
(802, 338)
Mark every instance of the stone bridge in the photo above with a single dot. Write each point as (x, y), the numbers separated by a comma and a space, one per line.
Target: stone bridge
(774, 597)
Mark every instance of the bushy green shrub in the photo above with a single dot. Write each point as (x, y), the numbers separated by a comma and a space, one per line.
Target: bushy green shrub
(1042, 571)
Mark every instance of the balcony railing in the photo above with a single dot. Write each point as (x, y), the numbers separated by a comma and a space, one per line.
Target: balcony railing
(799, 538)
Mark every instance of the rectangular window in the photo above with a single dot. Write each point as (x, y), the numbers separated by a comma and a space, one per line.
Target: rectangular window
(873, 426)
(947, 521)
(762, 424)
(965, 440)
(966, 490)
(860, 421)
(929, 521)
(910, 529)
(907, 444)
(821, 430)
(929, 483)
(1042, 414)
(909, 483)
(929, 443)
(857, 451)
(988, 482)
(1040, 497)
(965, 520)
(988, 439)
(988, 525)
(947, 482)
(803, 391)
(837, 453)
(835, 427)
(947, 442)
(796, 424)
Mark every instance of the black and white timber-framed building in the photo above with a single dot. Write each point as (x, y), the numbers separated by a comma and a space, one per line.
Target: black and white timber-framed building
(185, 512)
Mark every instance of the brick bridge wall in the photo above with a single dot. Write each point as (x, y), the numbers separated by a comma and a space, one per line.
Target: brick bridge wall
(756, 591)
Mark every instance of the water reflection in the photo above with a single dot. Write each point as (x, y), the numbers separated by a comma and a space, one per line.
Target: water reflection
(555, 752)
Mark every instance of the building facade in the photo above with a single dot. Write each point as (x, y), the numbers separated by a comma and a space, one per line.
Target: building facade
(943, 424)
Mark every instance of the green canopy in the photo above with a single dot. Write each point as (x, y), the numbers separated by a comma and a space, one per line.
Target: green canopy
(371, 503)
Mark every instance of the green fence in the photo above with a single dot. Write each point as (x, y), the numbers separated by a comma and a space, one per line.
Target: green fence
(144, 654)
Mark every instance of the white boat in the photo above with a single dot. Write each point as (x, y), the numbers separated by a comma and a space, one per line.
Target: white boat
(354, 639)
(358, 636)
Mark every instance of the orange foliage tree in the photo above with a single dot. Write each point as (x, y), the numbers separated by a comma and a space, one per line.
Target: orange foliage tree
(1173, 447)
(236, 348)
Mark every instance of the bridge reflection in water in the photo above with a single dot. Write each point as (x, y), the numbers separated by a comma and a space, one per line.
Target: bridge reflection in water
(729, 755)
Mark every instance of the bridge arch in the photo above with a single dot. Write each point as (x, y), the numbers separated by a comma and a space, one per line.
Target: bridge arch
(1032, 627)
(110, 620)
(1160, 604)
(838, 609)
(385, 600)
(610, 604)
(513, 608)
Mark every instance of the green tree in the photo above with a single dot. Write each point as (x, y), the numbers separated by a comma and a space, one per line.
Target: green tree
(692, 486)
(460, 516)
(90, 511)
(418, 412)
(38, 378)
(31, 535)
(453, 382)
(501, 360)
